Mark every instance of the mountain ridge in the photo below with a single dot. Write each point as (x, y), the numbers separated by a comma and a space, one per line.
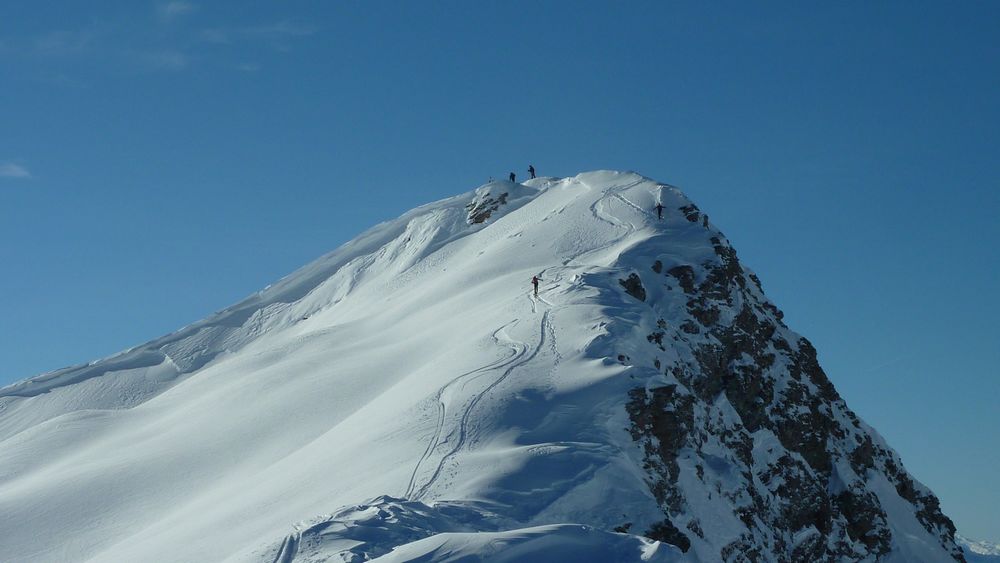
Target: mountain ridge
(649, 388)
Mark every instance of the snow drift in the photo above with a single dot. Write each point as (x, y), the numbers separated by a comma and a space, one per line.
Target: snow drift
(407, 398)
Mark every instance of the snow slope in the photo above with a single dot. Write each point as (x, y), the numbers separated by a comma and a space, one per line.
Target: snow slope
(410, 383)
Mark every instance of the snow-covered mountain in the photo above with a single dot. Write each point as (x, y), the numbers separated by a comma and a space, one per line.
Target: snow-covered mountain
(407, 397)
(978, 551)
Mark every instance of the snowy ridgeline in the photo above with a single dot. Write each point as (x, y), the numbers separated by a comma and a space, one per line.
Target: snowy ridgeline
(979, 551)
(407, 398)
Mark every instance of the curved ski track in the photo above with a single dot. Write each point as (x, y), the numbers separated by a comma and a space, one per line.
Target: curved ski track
(597, 209)
(517, 360)
(513, 361)
(518, 350)
(290, 546)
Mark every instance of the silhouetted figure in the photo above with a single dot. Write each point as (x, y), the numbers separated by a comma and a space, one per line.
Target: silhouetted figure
(659, 211)
(512, 177)
(704, 221)
(534, 282)
(531, 170)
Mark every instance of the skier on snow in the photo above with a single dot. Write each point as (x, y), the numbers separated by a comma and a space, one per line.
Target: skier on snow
(659, 211)
(512, 177)
(534, 282)
(531, 170)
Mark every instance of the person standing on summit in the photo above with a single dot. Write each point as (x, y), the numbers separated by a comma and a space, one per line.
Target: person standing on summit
(512, 177)
(531, 170)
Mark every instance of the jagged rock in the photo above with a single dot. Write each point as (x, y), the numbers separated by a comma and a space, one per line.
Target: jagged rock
(656, 337)
(707, 316)
(690, 327)
(666, 531)
(866, 521)
(633, 286)
(690, 212)
(685, 277)
(793, 502)
(480, 211)
(695, 527)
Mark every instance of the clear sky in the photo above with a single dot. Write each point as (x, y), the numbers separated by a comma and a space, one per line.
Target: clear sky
(160, 161)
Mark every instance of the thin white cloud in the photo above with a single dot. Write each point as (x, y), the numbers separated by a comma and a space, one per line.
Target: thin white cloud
(61, 43)
(172, 50)
(282, 28)
(220, 36)
(13, 170)
(174, 9)
(63, 80)
(272, 32)
(883, 365)
(164, 60)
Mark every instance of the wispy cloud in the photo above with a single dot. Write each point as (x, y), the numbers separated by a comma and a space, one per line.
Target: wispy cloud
(216, 35)
(883, 365)
(63, 80)
(165, 49)
(13, 170)
(282, 28)
(174, 9)
(61, 43)
(166, 59)
(273, 32)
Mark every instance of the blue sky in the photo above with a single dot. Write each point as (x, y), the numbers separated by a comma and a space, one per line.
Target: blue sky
(160, 161)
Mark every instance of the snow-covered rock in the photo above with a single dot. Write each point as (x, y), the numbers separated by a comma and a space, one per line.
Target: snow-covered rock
(407, 397)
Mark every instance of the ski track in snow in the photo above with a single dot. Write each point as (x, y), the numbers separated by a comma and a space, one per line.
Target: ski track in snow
(623, 199)
(289, 548)
(463, 427)
(598, 210)
(129, 459)
(518, 350)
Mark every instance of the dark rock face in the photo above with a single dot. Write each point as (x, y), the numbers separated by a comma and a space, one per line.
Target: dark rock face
(690, 212)
(666, 531)
(633, 286)
(745, 409)
(480, 211)
(865, 520)
(685, 277)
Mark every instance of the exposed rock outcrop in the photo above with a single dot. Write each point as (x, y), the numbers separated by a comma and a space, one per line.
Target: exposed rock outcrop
(633, 286)
(745, 411)
(481, 209)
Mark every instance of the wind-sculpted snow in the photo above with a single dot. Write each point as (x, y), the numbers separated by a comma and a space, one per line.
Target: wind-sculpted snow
(397, 244)
(649, 395)
(395, 530)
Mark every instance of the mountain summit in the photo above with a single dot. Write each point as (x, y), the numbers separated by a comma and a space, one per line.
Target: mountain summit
(408, 397)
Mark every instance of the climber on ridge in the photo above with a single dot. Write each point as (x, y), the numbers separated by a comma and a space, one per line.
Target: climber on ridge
(534, 282)
(659, 211)
(531, 170)
(512, 177)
